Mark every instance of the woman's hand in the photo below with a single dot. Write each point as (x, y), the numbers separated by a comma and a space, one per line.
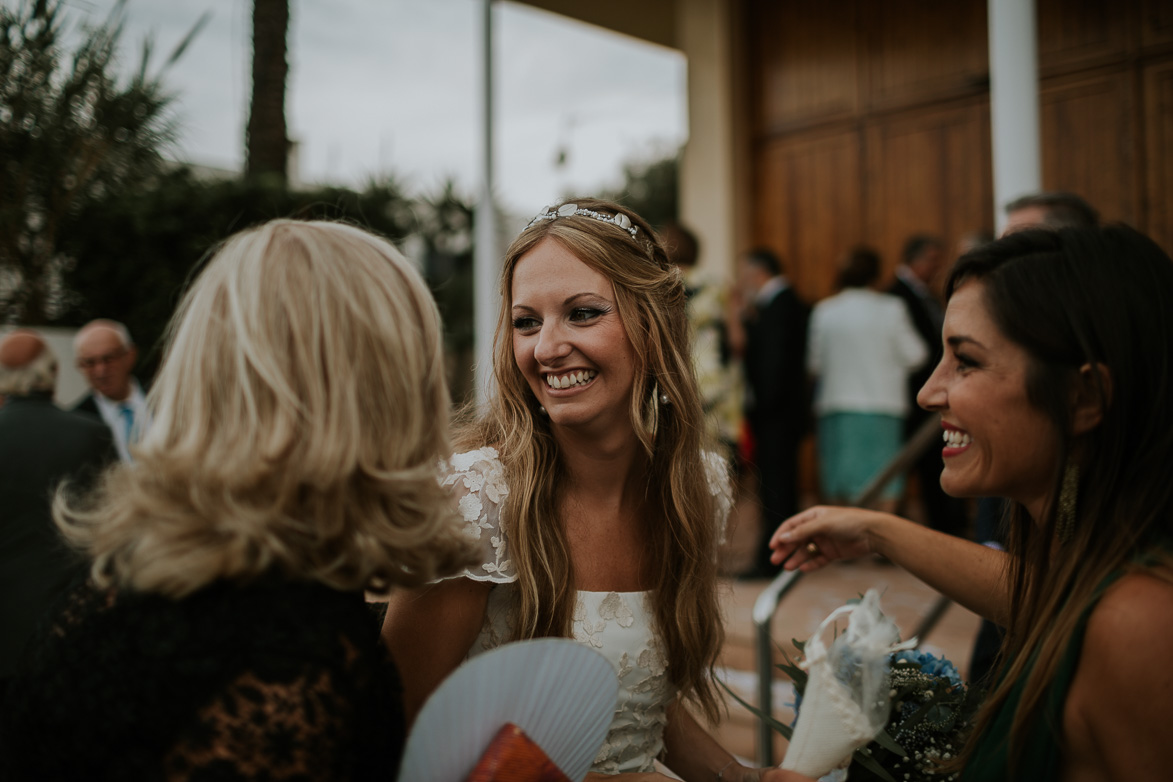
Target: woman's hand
(809, 540)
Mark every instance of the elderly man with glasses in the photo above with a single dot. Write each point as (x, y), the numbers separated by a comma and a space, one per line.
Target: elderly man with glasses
(105, 355)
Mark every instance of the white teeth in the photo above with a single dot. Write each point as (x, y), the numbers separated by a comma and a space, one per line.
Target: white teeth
(955, 439)
(570, 379)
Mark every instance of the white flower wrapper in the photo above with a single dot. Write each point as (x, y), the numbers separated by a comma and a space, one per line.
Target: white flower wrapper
(846, 699)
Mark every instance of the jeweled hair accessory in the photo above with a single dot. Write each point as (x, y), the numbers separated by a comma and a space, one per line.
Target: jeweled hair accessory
(568, 210)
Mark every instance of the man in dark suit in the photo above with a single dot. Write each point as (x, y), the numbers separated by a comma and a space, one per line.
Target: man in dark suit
(778, 400)
(923, 258)
(105, 355)
(40, 445)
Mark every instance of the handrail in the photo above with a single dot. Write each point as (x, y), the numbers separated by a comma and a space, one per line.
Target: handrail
(766, 604)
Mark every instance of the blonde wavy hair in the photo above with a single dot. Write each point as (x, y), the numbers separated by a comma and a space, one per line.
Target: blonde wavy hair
(298, 421)
(683, 532)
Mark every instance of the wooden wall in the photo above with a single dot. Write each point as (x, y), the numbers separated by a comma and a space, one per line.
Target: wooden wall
(870, 121)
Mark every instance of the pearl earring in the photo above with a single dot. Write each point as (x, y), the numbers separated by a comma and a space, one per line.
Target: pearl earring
(664, 399)
(542, 410)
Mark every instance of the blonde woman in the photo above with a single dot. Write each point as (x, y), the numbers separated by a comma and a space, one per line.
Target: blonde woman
(597, 511)
(299, 414)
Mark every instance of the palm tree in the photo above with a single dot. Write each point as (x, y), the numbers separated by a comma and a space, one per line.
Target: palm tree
(266, 141)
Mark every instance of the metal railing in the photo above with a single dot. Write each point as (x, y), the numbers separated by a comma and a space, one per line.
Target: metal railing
(766, 604)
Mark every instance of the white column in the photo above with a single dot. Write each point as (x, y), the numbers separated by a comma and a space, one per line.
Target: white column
(707, 181)
(485, 258)
(1014, 103)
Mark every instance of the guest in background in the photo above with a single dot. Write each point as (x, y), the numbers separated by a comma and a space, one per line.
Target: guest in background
(862, 348)
(40, 446)
(1056, 209)
(718, 374)
(300, 412)
(1054, 393)
(777, 398)
(105, 355)
(916, 281)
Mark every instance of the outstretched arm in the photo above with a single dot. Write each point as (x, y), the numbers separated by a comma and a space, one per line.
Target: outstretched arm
(965, 572)
(429, 632)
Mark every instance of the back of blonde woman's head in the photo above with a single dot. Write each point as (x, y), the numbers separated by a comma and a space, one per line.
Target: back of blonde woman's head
(298, 419)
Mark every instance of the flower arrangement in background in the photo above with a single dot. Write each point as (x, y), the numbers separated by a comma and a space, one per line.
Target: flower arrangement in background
(930, 715)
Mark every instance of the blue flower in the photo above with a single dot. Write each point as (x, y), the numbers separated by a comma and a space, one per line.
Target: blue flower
(930, 664)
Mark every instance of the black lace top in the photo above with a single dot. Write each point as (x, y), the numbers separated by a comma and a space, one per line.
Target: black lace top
(275, 682)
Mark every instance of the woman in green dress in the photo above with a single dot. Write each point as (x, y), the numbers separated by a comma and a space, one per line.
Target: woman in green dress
(1056, 392)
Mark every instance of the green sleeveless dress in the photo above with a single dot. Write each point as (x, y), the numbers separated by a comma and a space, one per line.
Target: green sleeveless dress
(1041, 755)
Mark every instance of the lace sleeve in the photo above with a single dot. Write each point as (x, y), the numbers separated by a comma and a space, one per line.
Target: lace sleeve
(477, 479)
(720, 486)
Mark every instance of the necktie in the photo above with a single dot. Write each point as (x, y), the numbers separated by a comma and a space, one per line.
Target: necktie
(127, 421)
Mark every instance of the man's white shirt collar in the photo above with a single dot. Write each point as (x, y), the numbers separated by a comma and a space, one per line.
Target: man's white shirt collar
(111, 413)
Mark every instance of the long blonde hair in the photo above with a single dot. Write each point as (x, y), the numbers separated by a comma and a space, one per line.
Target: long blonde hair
(650, 300)
(298, 419)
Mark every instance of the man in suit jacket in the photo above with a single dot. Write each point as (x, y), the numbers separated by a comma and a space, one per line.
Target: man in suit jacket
(777, 408)
(40, 445)
(923, 259)
(105, 355)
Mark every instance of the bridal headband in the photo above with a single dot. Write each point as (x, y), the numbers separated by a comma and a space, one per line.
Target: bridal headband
(569, 210)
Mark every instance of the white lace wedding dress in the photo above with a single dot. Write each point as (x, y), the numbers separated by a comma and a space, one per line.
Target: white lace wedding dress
(619, 625)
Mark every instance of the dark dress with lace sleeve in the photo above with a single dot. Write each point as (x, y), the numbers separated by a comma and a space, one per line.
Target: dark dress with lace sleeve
(273, 681)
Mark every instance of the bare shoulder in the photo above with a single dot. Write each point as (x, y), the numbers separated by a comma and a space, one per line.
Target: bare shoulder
(1135, 613)
(1121, 699)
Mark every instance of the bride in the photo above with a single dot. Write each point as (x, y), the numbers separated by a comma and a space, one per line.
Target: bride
(598, 513)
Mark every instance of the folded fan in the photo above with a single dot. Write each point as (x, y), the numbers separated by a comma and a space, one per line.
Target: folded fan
(560, 693)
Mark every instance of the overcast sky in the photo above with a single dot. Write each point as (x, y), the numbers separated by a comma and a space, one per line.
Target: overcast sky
(390, 86)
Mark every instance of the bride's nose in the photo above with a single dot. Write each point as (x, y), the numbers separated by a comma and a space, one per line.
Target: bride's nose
(552, 344)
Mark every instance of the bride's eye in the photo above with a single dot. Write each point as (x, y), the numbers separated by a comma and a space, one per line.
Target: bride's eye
(585, 314)
(525, 323)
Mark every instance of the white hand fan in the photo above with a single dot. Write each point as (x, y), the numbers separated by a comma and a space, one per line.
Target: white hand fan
(561, 693)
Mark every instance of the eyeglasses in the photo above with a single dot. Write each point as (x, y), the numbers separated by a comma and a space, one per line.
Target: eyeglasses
(95, 361)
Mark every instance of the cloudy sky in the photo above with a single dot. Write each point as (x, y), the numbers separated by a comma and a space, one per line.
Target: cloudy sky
(390, 86)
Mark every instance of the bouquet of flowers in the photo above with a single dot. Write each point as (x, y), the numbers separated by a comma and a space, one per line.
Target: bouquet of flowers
(930, 713)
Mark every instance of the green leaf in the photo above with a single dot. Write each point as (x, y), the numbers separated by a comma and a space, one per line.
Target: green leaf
(781, 727)
(885, 740)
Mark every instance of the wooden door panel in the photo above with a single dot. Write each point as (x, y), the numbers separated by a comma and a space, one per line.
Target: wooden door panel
(1158, 108)
(1081, 34)
(1089, 141)
(928, 172)
(1156, 22)
(806, 62)
(808, 205)
(920, 51)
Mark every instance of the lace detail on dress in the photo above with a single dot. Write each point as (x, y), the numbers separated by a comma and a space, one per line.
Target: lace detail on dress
(478, 480)
(619, 626)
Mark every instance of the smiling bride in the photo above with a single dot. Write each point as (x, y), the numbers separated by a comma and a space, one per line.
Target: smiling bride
(598, 511)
